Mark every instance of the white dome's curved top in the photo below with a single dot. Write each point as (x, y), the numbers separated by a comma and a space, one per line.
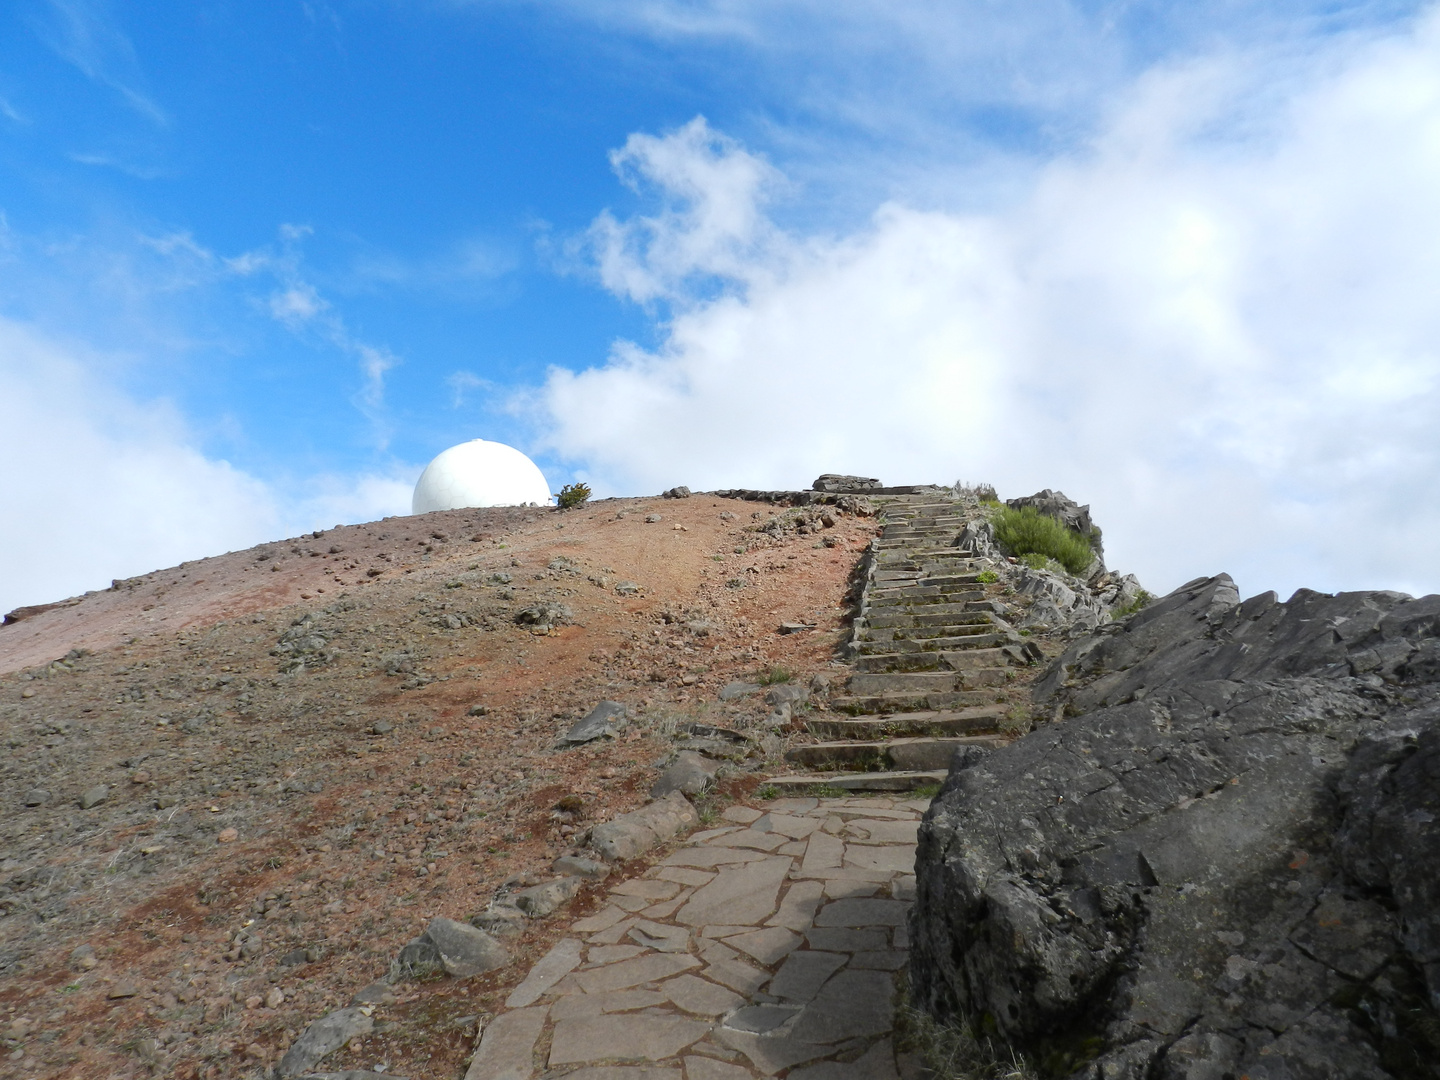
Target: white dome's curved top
(479, 473)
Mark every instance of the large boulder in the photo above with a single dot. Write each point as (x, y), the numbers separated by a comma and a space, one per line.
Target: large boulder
(1222, 864)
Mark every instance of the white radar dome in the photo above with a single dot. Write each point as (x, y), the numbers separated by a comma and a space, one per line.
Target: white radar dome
(479, 473)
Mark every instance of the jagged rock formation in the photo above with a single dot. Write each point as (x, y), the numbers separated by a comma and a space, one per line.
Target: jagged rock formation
(1223, 863)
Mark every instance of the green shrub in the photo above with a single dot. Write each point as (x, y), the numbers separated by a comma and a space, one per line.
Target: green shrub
(987, 577)
(774, 675)
(1027, 531)
(572, 495)
(1141, 600)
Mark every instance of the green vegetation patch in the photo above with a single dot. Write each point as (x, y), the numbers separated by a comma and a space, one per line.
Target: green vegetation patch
(1026, 531)
(572, 495)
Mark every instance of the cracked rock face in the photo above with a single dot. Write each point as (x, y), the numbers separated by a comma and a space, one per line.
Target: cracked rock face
(1226, 862)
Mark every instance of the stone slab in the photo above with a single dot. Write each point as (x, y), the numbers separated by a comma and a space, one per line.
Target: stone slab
(863, 913)
(684, 875)
(548, 970)
(745, 894)
(582, 1004)
(796, 828)
(877, 1063)
(705, 857)
(644, 969)
(739, 976)
(798, 905)
(700, 996)
(824, 852)
(804, 973)
(623, 1036)
(707, 1068)
(892, 858)
(851, 1004)
(768, 946)
(507, 1049)
(846, 940)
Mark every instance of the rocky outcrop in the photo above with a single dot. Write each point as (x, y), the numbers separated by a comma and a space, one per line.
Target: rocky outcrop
(1067, 511)
(1222, 864)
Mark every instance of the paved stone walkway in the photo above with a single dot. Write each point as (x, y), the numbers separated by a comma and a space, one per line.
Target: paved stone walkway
(767, 944)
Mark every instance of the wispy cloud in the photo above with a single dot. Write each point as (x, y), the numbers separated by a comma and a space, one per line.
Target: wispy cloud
(1216, 322)
(87, 34)
(11, 113)
(136, 466)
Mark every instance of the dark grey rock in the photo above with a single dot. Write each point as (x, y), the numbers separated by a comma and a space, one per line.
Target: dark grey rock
(689, 774)
(1067, 511)
(607, 718)
(787, 694)
(544, 616)
(636, 832)
(627, 588)
(579, 866)
(500, 920)
(382, 727)
(459, 949)
(94, 796)
(680, 492)
(544, 899)
(1221, 864)
(732, 690)
(36, 797)
(323, 1037)
(837, 484)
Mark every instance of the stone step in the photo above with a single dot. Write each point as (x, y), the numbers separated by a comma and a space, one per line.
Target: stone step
(961, 637)
(914, 754)
(977, 622)
(923, 607)
(901, 617)
(864, 781)
(920, 594)
(981, 720)
(928, 682)
(927, 701)
(983, 650)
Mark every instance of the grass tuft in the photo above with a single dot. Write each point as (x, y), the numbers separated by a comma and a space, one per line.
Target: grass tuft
(1026, 531)
(954, 1051)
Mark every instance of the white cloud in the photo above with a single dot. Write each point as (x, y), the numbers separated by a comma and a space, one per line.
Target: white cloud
(1217, 324)
(96, 485)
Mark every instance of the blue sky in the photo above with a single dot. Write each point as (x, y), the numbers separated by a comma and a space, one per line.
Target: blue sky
(259, 263)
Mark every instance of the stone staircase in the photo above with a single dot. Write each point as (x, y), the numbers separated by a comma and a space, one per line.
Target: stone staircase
(932, 660)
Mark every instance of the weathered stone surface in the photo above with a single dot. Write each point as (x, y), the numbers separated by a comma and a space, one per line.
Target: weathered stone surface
(1215, 866)
(862, 912)
(803, 973)
(624, 1072)
(643, 969)
(507, 1049)
(767, 946)
(543, 899)
(579, 866)
(707, 1068)
(797, 909)
(877, 1063)
(324, 1036)
(624, 1036)
(699, 996)
(552, 967)
(851, 1004)
(638, 831)
(739, 895)
(458, 948)
(689, 773)
(605, 719)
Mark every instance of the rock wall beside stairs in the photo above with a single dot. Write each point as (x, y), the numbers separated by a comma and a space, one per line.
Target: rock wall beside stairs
(1224, 863)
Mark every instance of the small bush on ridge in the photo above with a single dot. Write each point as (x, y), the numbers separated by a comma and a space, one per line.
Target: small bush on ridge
(1027, 531)
(572, 495)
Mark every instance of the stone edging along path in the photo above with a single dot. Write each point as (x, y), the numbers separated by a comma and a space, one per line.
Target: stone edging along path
(767, 944)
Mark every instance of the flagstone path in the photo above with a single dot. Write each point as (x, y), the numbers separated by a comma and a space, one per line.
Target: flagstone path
(767, 944)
